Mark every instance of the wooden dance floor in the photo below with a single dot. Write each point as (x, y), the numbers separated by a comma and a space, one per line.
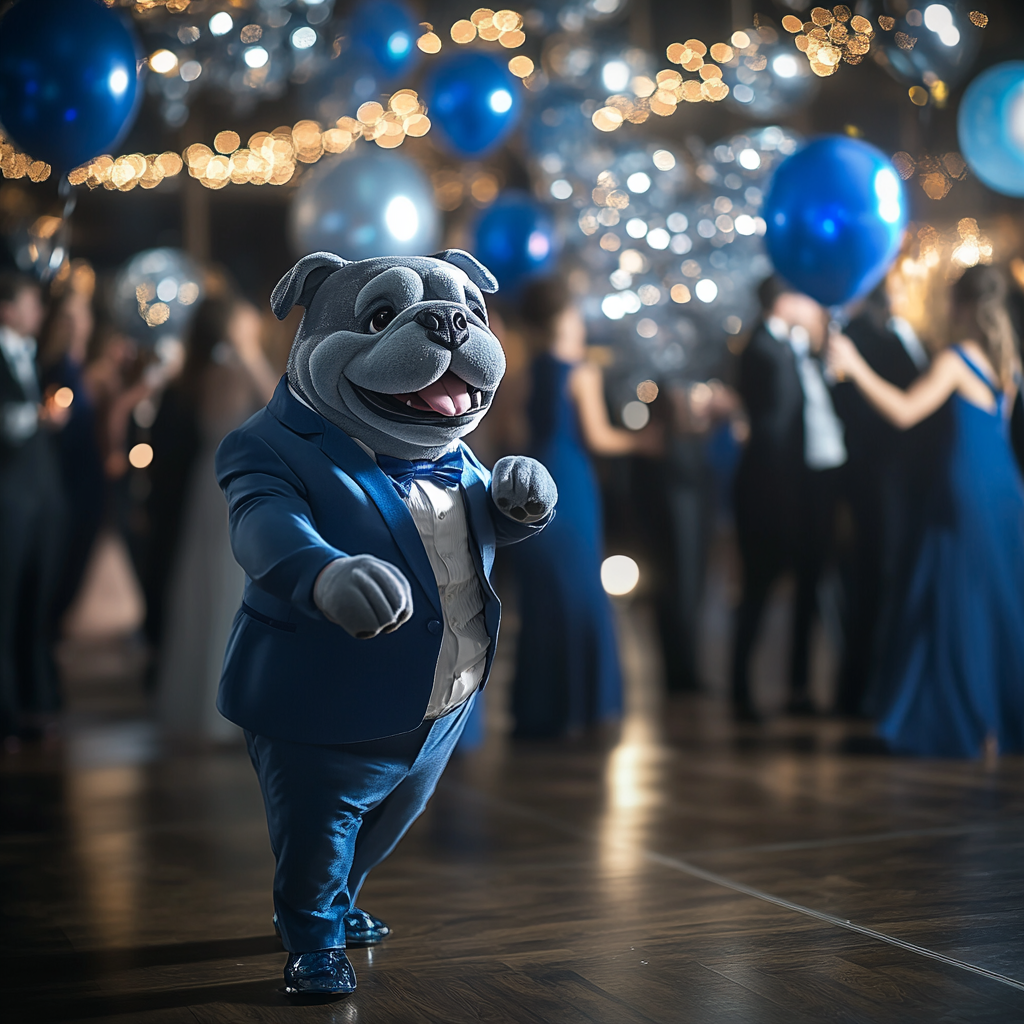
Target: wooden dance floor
(681, 870)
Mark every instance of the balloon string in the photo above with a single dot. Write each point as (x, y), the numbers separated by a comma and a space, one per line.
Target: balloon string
(60, 250)
(838, 318)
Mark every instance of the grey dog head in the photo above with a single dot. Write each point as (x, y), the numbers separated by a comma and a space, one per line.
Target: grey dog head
(382, 338)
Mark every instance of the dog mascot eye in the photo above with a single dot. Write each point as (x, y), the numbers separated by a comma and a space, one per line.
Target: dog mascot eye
(381, 319)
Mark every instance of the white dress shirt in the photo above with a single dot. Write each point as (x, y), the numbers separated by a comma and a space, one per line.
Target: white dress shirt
(440, 517)
(20, 419)
(910, 341)
(824, 442)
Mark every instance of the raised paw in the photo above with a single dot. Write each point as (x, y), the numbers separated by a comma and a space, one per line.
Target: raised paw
(523, 489)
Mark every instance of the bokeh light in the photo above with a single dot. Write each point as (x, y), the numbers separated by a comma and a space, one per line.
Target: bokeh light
(141, 455)
(619, 574)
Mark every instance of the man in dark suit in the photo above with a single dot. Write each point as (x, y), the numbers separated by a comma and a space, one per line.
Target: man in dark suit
(30, 519)
(787, 480)
(367, 531)
(878, 486)
(1017, 430)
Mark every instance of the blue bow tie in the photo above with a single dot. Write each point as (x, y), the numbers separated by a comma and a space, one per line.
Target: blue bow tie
(445, 471)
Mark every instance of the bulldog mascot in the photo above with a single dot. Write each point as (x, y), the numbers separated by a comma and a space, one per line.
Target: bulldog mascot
(367, 532)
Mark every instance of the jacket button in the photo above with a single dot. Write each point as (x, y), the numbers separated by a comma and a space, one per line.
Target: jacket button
(434, 626)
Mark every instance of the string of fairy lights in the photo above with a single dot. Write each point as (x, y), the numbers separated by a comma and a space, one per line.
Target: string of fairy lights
(272, 158)
(829, 38)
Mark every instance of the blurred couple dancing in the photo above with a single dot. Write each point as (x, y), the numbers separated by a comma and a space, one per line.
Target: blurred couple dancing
(923, 454)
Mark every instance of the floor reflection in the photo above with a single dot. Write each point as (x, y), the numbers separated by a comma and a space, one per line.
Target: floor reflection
(105, 812)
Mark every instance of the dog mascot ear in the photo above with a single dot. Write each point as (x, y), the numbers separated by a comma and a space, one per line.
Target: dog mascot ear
(300, 284)
(472, 267)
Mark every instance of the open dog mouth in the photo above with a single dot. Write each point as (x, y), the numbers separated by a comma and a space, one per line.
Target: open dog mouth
(449, 397)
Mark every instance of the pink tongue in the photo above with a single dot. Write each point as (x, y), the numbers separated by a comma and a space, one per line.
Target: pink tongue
(449, 396)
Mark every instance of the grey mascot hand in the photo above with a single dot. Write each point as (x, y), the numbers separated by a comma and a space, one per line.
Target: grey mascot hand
(364, 595)
(522, 488)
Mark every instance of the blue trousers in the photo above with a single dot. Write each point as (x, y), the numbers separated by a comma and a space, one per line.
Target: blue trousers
(336, 811)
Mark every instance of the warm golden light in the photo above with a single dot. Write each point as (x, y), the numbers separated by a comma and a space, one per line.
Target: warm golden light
(607, 119)
(141, 456)
(463, 31)
(226, 142)
(63, 397)
(521, 66)
(430, 41)
(163, 61)
(647, 391)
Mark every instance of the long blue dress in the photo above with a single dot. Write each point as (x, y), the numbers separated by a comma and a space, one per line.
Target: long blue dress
(567, 669)
(956, 667)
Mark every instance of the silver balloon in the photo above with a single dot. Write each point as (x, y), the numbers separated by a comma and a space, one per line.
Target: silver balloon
(935, 48)
(770, 79)
(369, 204)
(156, 294)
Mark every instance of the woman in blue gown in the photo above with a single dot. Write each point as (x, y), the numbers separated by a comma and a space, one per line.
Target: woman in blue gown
(954, 674)
(567, 668)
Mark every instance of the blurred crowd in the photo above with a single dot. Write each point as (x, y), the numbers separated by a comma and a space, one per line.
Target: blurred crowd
(792, 452)
(84, 407)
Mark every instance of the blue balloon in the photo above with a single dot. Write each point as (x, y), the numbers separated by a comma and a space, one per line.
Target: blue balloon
(68, 81)
(372, 204)
(473, 101)
(515, 239)
(385, 33)
(835, 218)
(990, 124)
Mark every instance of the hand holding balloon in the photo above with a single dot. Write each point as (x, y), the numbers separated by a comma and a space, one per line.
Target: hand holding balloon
(844, 360)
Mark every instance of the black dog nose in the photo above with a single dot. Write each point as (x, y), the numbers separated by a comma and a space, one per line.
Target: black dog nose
(446, 326)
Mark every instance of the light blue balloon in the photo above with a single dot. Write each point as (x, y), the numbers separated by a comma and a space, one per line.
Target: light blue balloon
(369, 204)
(991, 127)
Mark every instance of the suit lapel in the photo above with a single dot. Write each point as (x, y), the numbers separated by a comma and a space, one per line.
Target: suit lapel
(347, 455)
(476, 495)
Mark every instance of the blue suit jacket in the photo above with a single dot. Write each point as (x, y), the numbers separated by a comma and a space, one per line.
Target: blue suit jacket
(301, 493)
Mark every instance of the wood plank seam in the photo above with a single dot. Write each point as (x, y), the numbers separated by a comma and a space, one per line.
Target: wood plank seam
(720, 880)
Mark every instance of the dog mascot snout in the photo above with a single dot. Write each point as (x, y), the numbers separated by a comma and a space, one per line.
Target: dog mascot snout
(367, 531)
(447, 325)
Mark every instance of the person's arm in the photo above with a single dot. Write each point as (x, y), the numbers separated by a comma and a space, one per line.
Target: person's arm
(243, 333)
(599, 435)
(904, 409)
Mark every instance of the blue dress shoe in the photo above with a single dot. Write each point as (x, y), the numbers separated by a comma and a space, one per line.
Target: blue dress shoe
(361, 929)
(324, 972)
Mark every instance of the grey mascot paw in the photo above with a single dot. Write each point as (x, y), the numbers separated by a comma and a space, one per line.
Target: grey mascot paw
(522, 488)
(364, 595)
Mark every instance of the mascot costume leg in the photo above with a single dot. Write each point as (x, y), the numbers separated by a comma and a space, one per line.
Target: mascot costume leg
(367, 532)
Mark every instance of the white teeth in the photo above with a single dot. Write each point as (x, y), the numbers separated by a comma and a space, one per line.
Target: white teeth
(408, 402)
